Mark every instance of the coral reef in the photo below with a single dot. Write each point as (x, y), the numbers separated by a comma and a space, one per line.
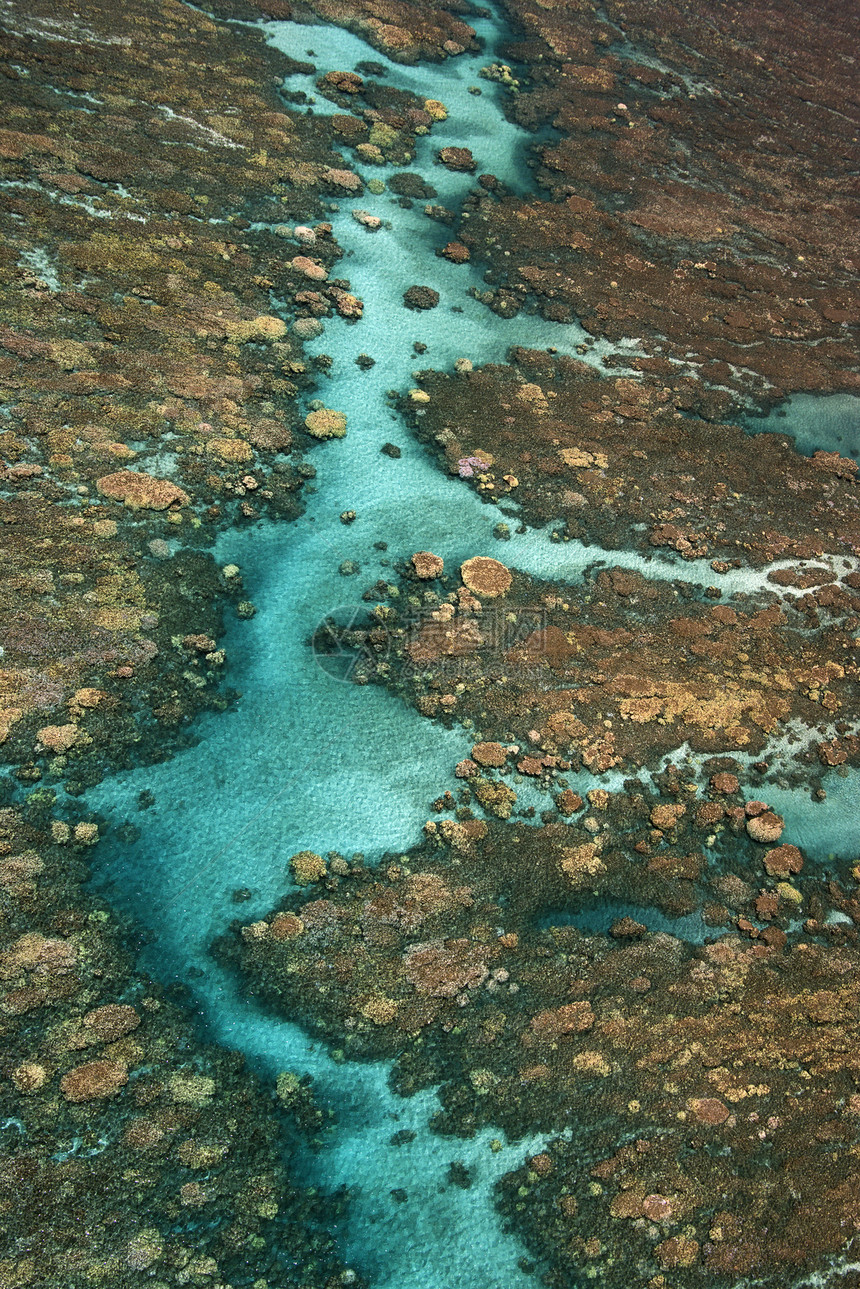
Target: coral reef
(698, 1091)
(150, 401)
(405, 30)
(645, 463)
(151, 390)
(653, 975)
(143, 369)
(670, 207)
(674, 1081)
(131, 1148)
(621, 670)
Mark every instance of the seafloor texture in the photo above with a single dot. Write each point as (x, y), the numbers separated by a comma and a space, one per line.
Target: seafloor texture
(428, 695)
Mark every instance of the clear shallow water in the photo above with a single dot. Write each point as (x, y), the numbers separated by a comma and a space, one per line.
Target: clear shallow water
(598, 917)
(827, 421)
(822, 829)
(308, 762)
(474, 121)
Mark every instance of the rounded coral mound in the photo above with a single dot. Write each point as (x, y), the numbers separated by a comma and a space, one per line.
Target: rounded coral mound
(309, 268)
(94, 1081)
(437, 110)
(766, 827)
(427, 566)
(486, 577)
(326, 424)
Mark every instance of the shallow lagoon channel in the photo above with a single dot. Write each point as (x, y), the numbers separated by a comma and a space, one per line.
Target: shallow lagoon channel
(307, 760)
(829, 421)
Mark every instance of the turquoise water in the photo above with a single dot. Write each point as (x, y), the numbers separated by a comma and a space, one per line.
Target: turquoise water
(597, 919)
(827, 421)
(306, 761)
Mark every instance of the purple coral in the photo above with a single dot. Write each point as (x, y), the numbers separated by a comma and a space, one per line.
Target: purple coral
(467, 466)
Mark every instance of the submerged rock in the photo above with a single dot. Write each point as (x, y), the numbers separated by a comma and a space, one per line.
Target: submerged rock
(407, 184)
(458, 159)
(371, 222)
(456, 252)
(420, 297)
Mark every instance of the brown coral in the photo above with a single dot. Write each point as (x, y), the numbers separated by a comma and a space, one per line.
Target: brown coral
(94, 1081)
(443, 968)
(486, 577)
(427, 566)
(140, 491)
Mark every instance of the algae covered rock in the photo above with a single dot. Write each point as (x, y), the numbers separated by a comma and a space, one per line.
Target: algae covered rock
(458, 159)
(407, 184)
(420, 297)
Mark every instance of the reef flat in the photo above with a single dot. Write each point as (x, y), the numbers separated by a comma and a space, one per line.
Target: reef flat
(150, 385)
(453, 694)
(700, 192)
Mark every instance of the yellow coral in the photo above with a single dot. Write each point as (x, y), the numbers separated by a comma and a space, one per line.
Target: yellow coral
(230, 449)
(326, 424)
(437, 110)
(496, 797)
(382, 135)
(58, 738)
(379, 1009)
(8, 717)
(591, 1063)
(307, 867)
